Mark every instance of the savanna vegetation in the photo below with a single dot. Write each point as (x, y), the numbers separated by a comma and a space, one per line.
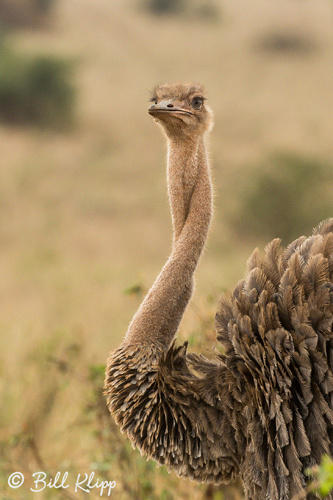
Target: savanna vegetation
(84, 221)
(35, 90)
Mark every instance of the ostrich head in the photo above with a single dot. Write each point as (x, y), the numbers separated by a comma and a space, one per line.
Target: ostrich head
(181, 110)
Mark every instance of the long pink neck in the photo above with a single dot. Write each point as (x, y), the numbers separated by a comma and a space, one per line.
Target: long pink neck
(190, 195)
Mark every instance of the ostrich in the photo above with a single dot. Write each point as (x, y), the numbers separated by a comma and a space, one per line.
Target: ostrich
(262, 410)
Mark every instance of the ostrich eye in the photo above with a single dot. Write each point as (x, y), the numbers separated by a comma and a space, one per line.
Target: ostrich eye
(196, 103)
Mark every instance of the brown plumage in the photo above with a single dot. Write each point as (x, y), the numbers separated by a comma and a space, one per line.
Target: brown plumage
(264, 409)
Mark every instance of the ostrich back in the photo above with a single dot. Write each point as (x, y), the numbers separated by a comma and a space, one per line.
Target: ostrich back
(276, 330)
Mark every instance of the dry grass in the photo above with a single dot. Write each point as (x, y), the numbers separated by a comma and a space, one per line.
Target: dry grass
(84, 214)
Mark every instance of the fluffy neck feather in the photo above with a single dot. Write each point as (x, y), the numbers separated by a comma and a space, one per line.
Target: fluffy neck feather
(190, 195)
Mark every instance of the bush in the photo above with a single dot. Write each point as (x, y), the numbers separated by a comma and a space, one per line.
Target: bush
(201, 9)
(44, 5)
(32, 14)
(285, 43)
(165, 6)
(35, 90)
(284, 198)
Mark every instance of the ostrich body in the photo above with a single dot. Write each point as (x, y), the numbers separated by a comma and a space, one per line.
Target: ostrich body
(262, 410)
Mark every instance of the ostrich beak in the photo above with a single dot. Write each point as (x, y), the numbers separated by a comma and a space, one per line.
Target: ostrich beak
(167, 107)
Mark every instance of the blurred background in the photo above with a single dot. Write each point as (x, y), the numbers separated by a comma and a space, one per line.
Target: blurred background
(84, 219)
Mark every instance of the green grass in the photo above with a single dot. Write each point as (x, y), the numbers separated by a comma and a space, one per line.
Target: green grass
(58, 370)
(322, 477)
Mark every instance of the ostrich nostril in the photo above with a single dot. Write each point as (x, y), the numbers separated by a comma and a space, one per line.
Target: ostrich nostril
(170, 105)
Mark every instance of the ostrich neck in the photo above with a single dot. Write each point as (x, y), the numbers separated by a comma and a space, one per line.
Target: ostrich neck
(183, 166)
(190, 196)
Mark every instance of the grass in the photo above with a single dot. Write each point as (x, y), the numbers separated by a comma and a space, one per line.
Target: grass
(61, 377)
(84, 217)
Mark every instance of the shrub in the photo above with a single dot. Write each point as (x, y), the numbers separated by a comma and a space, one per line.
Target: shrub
(35, 90)
(206, 10)
(30, 14)
(284, 198)
(285, 43)
(44, 6)
(165, 6)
